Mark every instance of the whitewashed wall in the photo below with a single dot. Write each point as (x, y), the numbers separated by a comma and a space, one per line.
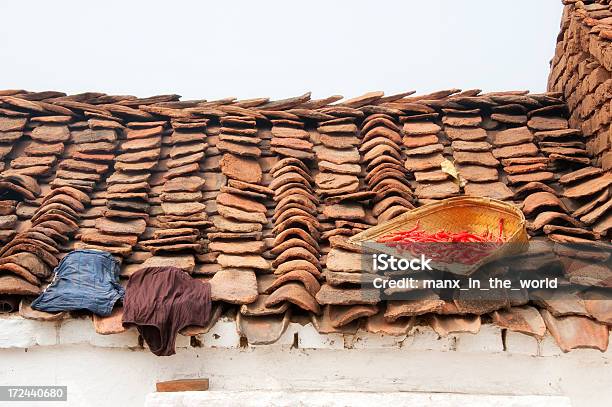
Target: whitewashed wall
(115, 370)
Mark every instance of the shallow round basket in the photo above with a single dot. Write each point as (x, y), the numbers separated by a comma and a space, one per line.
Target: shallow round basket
(471, 214)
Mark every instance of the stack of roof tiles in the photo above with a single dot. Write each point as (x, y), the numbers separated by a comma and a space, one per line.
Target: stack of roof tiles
(582, 71)
(241, 213)
(258, 197)
(177, 227)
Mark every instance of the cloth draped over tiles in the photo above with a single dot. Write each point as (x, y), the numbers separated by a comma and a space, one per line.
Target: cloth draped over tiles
(161, 301)
(83, 280)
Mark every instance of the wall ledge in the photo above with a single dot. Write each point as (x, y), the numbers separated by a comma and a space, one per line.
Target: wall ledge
(17, 332)
(340, 399)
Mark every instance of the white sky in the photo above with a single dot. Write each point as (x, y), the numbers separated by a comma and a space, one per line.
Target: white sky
(276, 48)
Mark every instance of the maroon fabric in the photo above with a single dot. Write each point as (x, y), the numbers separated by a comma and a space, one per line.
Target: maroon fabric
(161, 301)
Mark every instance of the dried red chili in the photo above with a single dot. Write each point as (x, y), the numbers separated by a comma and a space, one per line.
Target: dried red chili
(417, 241)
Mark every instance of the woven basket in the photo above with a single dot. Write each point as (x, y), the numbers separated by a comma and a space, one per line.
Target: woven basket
(472, 214)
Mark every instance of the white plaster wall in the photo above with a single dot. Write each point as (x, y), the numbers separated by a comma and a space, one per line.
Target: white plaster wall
(343, 399)
(114, 370)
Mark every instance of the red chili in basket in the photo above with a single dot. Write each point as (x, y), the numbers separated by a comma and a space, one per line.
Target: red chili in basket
(416, 241)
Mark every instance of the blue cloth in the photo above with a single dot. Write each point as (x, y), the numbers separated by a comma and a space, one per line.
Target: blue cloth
(83, 280)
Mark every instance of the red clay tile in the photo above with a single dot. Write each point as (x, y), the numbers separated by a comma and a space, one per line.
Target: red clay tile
(341, 315)
(236, 286)
(262, 330)
(444, 325)
(576, 332)
(523, 319)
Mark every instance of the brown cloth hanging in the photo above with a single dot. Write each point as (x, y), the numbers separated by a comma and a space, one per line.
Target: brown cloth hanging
(160, 301)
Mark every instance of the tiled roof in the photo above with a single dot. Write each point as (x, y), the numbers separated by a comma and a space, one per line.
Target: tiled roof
(259, 196)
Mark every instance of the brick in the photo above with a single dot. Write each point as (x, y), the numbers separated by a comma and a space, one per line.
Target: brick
(367, 340)
(17, 332)
(222, 335)
(422, 338)
(81, 331)
(489, 339)
(182, 385)
(548, 347)
(309, 338)
(519, 343)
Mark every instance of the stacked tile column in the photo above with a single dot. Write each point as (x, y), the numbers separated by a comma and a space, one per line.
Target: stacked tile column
(581, 71)
(341, 185)
(237, 235)
(338, 157)
(472, 155)
(126, 214)
(423, 149)
(385, 172)
(35, 251)
(296, 228)
(11, 131)
(179, 225)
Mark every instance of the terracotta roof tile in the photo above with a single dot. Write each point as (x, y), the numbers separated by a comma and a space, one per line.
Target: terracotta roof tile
(575, 332)
(523, 319)
(258, 196)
